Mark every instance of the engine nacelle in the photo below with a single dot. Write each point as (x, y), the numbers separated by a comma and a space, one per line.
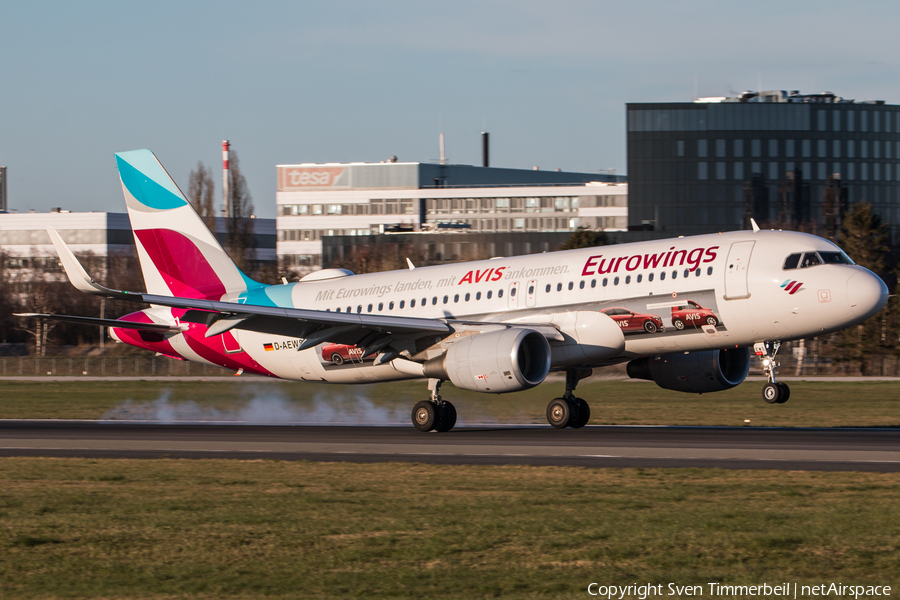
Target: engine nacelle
(508, 360)
(697, 372)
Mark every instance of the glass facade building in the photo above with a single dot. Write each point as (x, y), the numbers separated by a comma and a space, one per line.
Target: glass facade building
(785, 159)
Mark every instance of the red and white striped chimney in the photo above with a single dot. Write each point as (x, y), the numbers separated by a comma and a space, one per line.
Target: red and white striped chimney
(225, 204)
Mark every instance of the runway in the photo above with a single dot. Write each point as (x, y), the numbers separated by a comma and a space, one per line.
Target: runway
(593, 446)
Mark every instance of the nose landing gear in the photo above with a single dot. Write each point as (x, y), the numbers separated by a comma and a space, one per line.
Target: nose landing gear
(773, 392)
(435, 413)
(570, 411)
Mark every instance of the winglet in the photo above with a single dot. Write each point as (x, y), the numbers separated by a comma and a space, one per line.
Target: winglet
(755, 226)
(75, 272)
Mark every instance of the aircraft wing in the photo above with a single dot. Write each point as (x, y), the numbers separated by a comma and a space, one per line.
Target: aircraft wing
(315, 326)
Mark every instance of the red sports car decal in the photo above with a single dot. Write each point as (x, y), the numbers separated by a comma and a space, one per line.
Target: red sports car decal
(691, 314)
(341, 353)
(632, 322)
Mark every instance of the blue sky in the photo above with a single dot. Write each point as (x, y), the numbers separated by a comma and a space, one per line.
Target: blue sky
(339, 81)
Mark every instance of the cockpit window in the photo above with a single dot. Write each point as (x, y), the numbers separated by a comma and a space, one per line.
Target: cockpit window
(810, 259)
(835, 258)
(791, 261)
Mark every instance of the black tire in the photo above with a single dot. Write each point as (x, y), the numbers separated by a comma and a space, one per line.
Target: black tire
(679, 324)
(559, 413)
(337, 359)
(771, 393)
(712, 321)
(447, 418)
(785, 393)
(650, 326)
(583, 414)
(425, 415)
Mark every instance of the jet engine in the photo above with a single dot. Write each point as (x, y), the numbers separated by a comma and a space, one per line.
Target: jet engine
(697, 372)
(508, 360)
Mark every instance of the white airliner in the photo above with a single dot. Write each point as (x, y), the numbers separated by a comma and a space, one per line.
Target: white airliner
(682, 312)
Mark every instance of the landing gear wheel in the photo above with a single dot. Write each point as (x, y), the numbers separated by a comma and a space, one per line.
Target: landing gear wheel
(582, 416)
(785, 393)
(425, 415)
(650, 327)
(678, 323)
(337, 359)
(772, 393)
(447, 418)
(559, 412)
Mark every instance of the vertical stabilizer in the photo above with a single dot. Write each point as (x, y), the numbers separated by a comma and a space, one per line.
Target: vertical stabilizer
(179, 255)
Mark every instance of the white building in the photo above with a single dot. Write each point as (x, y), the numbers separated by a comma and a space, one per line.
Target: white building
(316, 200)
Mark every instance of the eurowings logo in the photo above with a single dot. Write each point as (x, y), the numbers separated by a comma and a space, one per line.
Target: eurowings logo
(791, 286)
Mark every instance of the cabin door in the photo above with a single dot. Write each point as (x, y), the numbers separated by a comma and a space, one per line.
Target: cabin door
(736, 269)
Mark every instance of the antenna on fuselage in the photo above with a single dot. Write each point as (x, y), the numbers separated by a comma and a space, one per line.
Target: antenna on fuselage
(755, 226)
(409, 262)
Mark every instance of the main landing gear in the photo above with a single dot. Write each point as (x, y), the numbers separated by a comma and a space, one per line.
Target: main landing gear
(435, 413)
(570, 411)
(773, 392)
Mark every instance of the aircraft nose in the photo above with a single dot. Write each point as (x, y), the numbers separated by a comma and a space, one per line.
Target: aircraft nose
(867, 294)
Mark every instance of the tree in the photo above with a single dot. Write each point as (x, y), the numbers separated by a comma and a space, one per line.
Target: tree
(201, 192)
(864, 238)
(585, 237)
(240, 239)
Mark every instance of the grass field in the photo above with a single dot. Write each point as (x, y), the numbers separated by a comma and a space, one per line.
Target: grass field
(75, 528)
(812, 404)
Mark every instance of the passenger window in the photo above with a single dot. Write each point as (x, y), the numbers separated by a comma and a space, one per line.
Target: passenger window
(709, 271)
(791, 262)
(369, 308)
(359, 309)
(380, 306)
(616, 281)
(402, 303)
(558, 287)
(581, 285)
(412, 303)
(467, 296)
(593, 283)
(478, 295)
(349, 309)
(530, 289)
(338, 309)
(499, 293)
(548, 288)
(447, 299)
(434, 300)
(697, 272)
(512, 292)
(639, 277)
(456, 298)
(687, 272)
(628, 279)
(424, 301)
(605, 281)
(674, 274)
(391, 305)
(810, 259)
(489, 294)
(650, 277)
(662, 275)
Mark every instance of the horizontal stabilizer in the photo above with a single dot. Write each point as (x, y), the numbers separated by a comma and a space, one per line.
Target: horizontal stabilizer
(99, 322)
